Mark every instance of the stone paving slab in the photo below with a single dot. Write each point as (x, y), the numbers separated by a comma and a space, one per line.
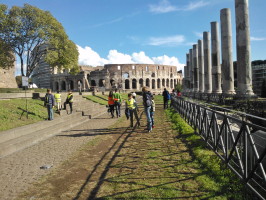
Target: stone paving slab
(20, 169)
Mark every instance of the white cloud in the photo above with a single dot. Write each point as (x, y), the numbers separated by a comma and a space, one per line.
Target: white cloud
(114, 57)
(195, 5)
(166, 60)
(257, 38)
(89, 57)
(165, 6)
(141, 58)
(167, 41)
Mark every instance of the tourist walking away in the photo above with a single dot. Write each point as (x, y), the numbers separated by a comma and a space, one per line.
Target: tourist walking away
(49, 103)
(118, 100)
(69, 100)
(111, 103)
(131, 105)
(152, 112)
(179, 93)
(166, 98)
(57, 97)
(147, 103)
(173, 95)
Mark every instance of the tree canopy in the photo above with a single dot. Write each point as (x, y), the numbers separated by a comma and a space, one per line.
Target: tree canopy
(33, 34)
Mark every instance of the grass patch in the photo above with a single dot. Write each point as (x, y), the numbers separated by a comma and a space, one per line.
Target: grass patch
(20, 90)
(11, 111)
(216, 177)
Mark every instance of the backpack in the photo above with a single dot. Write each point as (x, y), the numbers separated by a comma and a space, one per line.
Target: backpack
(168, 96)
(148, 99)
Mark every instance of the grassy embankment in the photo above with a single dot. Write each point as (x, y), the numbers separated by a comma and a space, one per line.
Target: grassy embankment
(11, 111)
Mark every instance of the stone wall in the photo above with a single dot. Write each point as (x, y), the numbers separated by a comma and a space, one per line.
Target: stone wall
(7, 78)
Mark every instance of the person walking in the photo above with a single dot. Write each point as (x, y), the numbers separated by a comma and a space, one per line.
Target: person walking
(152, 112)
(49, 103)
(111, 103)
(131, 105)
(118, 100)
(57, 97)
(69, 100)
(147, 103)
(166, 98)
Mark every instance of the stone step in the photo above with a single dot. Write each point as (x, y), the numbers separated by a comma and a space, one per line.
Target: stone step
(26, 139)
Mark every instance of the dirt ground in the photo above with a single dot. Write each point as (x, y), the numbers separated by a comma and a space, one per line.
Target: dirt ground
(19, 170)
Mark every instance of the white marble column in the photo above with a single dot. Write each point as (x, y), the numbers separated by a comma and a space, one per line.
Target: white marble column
(207, 63)
(227, 52)
(201, 66)
(244, 76)
(216, 65)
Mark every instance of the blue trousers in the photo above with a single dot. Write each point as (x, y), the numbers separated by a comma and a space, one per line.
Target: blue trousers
(148, 116)
(50, 112)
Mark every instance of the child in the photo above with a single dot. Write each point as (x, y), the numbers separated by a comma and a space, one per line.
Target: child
(111, 103)
(152, 112)
(131, 105)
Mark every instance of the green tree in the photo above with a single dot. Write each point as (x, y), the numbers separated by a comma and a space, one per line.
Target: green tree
(178, 87)
(32, 34)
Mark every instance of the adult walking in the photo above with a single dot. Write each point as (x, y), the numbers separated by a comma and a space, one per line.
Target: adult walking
(69, 100)
(111, 103)
(166, 98)
(147, 103)
(131, 105)
(57, 97)
(49, 103)
(118, 100)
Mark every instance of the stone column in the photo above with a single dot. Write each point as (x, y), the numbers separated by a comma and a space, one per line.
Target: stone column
(244, 76)
(227, 58)
(216, 66)
(196, 68)
(201, 66)
(188, 72)
(207, 63)
(191, 67)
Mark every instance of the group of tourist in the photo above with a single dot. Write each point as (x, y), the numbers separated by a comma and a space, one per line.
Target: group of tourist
(114, 104)
(50, 101)
(131, 107)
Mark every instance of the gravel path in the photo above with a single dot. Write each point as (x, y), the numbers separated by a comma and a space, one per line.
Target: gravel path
(20, 169)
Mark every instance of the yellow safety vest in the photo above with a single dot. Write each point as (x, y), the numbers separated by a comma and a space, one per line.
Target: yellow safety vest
(57, 97)
(68, 97)
(131, 104)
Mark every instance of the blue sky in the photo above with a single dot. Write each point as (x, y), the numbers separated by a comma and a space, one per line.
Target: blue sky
(145, 31)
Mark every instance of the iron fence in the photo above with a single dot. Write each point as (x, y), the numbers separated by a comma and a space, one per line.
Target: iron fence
(230, 134)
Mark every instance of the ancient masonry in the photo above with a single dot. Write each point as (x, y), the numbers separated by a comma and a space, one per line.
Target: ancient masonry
(7, 78)
(212, 75)
(126, 77)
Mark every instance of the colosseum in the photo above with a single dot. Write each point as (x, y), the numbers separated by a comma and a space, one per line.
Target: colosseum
(125, 77)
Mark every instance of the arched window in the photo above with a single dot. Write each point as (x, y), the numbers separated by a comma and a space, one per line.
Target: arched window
(93, 83)
(147, 68)
(134, 84)
(153, 84)
(101, 82)
(127, 86)
(158, 83)
(148, 82)
(141, 82)
(118, 67)
(63, 85)
(71, 85)
(163, 82)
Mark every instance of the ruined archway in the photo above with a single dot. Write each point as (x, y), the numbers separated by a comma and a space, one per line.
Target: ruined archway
(163, 82)
(71, 85)
(148, 82)
(93, 83)
(153, 84)
(101, 82)
(127, 86)
(158, 83)
(63, 85)
(134, 83)
(167, 83)
(141, 82)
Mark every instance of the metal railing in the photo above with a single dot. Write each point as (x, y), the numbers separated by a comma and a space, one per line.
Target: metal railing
(238, 142)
